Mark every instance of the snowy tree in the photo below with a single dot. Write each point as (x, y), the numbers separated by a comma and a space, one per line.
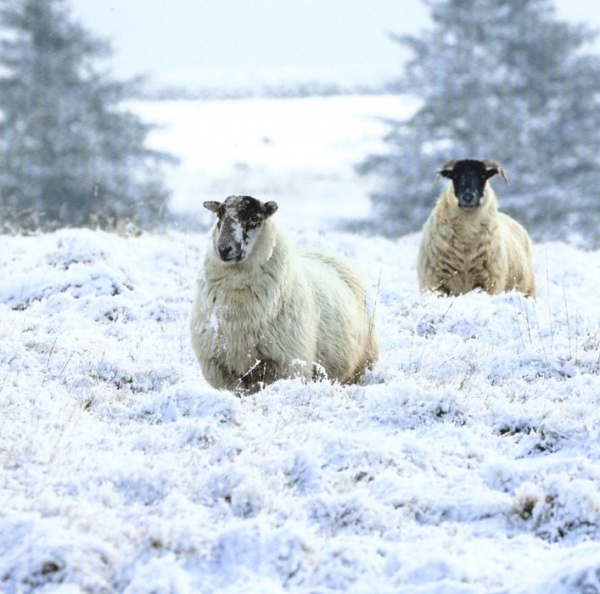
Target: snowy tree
(68, 154)
(502, 80)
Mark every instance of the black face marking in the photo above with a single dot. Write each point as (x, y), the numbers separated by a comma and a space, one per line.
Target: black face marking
(469, 178)
(238, 225)
(244, 207)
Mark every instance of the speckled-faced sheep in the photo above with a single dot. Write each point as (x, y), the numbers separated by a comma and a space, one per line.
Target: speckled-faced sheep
(265, 310)
(467, 244)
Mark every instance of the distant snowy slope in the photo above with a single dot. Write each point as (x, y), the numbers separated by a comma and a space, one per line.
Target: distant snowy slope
(299, 152)
(468, 462)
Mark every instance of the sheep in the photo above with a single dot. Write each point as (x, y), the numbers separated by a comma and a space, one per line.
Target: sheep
(265, 310)
(467, 244)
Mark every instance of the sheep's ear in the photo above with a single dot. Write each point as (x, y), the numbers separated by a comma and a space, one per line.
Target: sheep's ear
(270, 208)
(446, 169)
(495, 169)
(212, 205)
(447, 173)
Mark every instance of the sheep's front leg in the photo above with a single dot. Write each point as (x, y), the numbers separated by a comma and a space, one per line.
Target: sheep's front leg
(258, 376)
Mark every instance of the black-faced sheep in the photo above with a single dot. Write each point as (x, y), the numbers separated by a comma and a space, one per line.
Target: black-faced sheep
(467, 244)
(265, 310)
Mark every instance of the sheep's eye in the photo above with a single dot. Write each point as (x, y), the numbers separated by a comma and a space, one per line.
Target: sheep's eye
(255, 219)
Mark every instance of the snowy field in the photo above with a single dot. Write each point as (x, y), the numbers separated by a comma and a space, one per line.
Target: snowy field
(300, 152)
(467, 462)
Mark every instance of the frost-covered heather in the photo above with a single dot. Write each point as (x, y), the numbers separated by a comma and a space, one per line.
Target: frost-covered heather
(468, 462)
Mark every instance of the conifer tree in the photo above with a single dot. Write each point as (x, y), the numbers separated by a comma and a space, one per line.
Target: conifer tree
(68, 154)
(501, 80)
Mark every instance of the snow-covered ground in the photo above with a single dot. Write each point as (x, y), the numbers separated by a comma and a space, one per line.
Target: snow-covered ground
(467, 462)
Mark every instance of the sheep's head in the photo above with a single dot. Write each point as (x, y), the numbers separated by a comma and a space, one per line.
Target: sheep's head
(469, 178)
(240, 220)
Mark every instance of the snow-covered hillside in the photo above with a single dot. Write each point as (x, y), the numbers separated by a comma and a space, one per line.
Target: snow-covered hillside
(467, 462)
(300, 152)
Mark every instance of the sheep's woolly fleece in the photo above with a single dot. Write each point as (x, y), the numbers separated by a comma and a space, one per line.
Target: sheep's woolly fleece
(486, 249)
(467, 462)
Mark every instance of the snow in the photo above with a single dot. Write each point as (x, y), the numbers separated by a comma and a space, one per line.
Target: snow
(468, 461)
(301, 153)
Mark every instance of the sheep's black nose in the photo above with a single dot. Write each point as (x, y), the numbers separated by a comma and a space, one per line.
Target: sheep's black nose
(225, 252)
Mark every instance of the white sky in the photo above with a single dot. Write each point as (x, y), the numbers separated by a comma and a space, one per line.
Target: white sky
(196, 43)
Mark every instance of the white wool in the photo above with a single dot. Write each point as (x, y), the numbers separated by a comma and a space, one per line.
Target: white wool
(294, 312)
(486, 249)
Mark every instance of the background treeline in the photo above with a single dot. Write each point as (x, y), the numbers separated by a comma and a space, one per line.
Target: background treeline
(502, 80)
(70, 155)
(516, 85)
